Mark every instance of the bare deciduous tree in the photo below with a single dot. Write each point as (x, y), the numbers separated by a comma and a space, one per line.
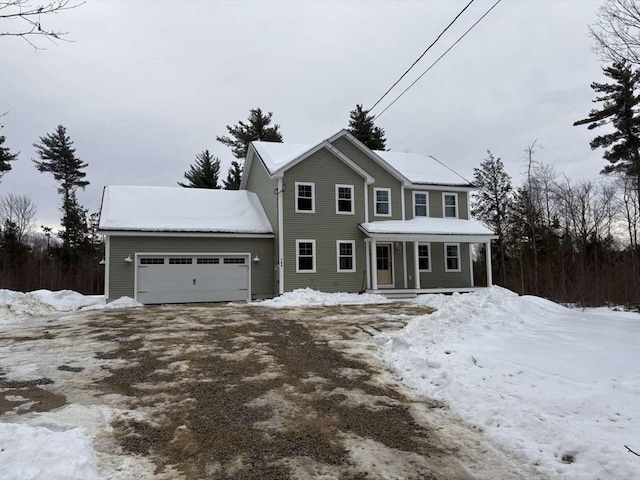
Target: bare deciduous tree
(21, 18)
(616, 32)
(21, 211)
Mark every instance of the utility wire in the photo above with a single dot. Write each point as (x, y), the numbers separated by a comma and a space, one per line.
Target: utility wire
(439, 58)
(423, 54)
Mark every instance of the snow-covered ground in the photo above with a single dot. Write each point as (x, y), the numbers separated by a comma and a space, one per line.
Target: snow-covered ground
(559, 386)
(302, 297)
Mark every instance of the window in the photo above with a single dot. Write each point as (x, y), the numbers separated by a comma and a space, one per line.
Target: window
(344, 199)
(420, 204)
(383, 201)
(180, 261)
(207, 261)
(234, 260)
(450, 205)
(152, 261)
(305, 197)
(346, 250)
(305, 256)
(424, 257)
(452, 257)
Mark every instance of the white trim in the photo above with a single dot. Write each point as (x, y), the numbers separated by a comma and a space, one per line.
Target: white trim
(280, 237)
(374, 264)
(404, 264)
(413, 196)
(428, 256)
(471, 264)
(107, 261)
(137, 255)
(375, 202)
(141, 233)
(488, 261)
(248, 162)
(446, 269)
(367, 254)
(439, 188)
(313, 196)
(366, 202)
(416, 266)
(314, 254)
(444, 206)
(393, 265)
(353, 256)
(353, 200)
(402, 202)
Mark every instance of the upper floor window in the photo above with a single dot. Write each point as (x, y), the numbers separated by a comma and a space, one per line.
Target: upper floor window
(420, 204)
(305, 197)
(346, 250)
(305, 256)
(451, 257)
(450, 205)
(344, 199)
(383, 201)
(424, 257)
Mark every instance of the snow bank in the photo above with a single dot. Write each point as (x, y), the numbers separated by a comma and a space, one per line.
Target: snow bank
(37, 453)
(559, 386)
(306, 296)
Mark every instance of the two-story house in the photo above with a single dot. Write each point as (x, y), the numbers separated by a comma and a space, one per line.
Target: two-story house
(335, 216)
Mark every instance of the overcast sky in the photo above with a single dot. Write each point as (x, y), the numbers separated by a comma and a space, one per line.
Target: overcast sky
(146, 85)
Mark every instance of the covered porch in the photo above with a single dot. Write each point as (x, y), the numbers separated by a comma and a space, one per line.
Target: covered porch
(423, 255)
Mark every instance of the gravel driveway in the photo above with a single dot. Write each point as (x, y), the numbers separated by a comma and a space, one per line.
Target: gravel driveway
(247, 392)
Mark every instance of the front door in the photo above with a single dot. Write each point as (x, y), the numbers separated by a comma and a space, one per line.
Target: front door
(384, 267)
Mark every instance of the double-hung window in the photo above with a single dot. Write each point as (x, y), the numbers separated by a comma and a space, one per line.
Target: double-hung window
(305, 256)
(346, 255)
(452, 257)
(450, 205)
(420, 204)
(383, 202)
(344, 199)
(424, 257)
(305, 197)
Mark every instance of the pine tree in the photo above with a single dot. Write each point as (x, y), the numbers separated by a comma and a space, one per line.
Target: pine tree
(361, 126)
(234, 177)
(491, 203)
(257, 128)
(5, 157)
(58, 157)
(203, 173)
(620, 109)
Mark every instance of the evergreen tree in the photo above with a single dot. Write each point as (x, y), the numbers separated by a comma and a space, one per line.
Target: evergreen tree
(620, 109)
(58, 157)
(257, 128)
(203, 173)
(491, 203)
(234, 177)
(5, 157)
(361, 126)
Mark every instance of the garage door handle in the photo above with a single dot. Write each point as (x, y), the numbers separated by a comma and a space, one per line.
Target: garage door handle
(194, 281)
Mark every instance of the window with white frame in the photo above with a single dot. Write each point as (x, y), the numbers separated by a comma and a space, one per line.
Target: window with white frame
(450, 205)
(344, 199)
(383, 201)
(346, 253)
(305, 256)
(420, 204)
(305, 197)
(424, 257)
(451, 257)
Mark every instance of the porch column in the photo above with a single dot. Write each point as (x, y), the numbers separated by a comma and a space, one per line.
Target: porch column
(487, 251)
(367, 254)
(416, 264)
(374, 265)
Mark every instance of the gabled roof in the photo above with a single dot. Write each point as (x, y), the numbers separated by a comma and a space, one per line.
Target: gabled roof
(422, 169)
(177, 209)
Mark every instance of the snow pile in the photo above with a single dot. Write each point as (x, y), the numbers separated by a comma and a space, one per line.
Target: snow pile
(559, 386)
(122, 302)
(306, 296)
(37, 453)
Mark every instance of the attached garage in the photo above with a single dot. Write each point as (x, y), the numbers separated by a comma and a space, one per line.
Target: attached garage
(178, 245)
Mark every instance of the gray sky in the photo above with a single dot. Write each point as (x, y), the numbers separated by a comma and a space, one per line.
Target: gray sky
(148, 84)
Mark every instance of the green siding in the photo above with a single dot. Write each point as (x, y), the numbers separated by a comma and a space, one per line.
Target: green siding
(383, 179)
(435, 203)
(324, 226)
(121, 273)
(438, 278)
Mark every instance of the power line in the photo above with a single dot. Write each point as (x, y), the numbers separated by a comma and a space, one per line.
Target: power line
(439, 58)
(423, 54)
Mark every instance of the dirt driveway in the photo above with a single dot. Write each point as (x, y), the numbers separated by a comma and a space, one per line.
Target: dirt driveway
(246, 392)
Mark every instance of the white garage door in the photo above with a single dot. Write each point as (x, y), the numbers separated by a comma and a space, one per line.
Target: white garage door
(192, 278)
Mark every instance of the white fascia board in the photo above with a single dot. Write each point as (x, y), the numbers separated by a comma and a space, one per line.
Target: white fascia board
(439, 187)
(247, 167)
(440, 237)
(138, 233)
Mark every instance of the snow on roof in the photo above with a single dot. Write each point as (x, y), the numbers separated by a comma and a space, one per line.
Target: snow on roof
(427, 226)
(276, 155)
(177, 209)
(421, 168)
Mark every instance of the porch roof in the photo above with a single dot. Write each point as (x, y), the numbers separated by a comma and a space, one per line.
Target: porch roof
(429, 229)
